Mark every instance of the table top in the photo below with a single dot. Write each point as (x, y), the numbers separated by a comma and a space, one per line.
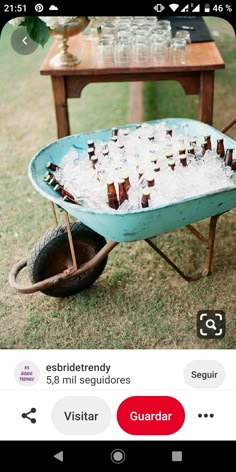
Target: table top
(202, 56)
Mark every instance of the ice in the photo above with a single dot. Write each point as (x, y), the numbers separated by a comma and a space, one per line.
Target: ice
(141, 151)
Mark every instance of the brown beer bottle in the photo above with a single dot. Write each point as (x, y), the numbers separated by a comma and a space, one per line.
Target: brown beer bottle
(127, 182)
(183, 160)
(91, 144)
(171, 164)
(122, 191)
(191, 151)
(208, 141)
(91, 152)
(220, 148)
(140, 172)
(112, 196)
(229, 157)
(233, 165)
(63, 192)
(145, 198)
(68, 199)
(114, 131)
(94, 160)
(150, 180)
(204, 147)
(52, 166)
(182, 151)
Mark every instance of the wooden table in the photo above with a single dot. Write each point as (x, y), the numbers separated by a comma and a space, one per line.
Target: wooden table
(196, 76)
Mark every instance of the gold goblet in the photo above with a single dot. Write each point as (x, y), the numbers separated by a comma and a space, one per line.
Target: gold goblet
(63, 33)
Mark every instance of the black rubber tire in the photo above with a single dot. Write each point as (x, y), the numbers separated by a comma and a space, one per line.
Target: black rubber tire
(51, 255)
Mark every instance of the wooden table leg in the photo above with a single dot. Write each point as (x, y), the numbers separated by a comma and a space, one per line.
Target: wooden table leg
(61, 108)
(205, 111)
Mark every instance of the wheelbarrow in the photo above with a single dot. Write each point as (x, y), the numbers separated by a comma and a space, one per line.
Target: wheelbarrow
(70, 257)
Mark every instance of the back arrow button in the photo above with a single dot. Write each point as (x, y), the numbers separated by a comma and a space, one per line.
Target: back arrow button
(59, 456)
(22, 43)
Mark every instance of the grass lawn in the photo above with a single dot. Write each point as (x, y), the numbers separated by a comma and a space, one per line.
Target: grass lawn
(139, 302)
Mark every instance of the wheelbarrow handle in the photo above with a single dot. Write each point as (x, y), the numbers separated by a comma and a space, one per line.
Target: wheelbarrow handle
(71, 272)
(42, 285)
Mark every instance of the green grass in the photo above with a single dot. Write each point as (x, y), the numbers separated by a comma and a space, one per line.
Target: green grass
(139, 301)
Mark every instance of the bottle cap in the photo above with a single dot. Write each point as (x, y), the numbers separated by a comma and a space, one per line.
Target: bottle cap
(57, 187)
(150, 177)
(146, 192)
(171, 162)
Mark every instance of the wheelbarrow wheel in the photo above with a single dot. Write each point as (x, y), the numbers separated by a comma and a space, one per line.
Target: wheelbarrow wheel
(51, 256)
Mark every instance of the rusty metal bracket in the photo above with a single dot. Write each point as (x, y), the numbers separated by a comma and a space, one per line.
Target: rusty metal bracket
(208, 242)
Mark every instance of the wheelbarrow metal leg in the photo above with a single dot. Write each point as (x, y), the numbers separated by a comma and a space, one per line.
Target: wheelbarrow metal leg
(166, 258)
(71, 244)
(211, 241)
(54, 213)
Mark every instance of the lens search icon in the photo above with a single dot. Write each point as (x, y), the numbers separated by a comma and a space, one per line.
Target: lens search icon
(211, 324)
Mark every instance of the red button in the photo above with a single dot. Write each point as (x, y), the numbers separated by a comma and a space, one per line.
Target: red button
(150, 415)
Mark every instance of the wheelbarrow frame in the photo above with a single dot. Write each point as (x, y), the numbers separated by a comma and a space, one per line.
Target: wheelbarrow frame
(74, 271)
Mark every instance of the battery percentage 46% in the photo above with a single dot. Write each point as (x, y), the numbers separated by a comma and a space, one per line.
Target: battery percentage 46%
(220, 8)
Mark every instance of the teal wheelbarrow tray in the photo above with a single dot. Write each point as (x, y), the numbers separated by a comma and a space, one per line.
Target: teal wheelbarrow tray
(71, 257)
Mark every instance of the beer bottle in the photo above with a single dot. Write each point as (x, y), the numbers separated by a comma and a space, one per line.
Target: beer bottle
(169, 156)
(127, 182)
(191, 151)
(122, 191)
(140, 172)
(114, 139)
(183, 160)
(47, 176)
(112, 196)
(50, 165)
(68, 199)
(145, 198)
(114, 131)
(153, 159)
(105, 152)
(233, 165)
(63, 192)
(171, 164)
(193, 143)
(91, 144)
(229, 157)
(208, 141)
(169, 132)
(150, 180)
(94, 160)
(220, 148)
(204, 147)
(182, 151)
(91, 152)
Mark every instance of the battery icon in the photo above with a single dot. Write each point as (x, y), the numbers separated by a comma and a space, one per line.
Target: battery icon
(207, 8)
